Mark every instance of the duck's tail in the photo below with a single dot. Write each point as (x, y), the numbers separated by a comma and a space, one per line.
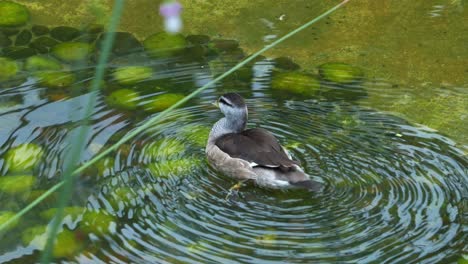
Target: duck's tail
(310, 185)
(276, 178)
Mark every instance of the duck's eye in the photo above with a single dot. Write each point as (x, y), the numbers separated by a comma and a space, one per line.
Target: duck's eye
(221, 100)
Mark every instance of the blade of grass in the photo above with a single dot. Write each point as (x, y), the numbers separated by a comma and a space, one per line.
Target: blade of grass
(164, 113)
(77, 146)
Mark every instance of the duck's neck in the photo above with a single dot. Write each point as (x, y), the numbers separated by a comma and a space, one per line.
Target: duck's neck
(227, 125)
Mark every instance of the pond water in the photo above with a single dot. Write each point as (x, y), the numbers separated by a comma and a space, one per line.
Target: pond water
(396, 190)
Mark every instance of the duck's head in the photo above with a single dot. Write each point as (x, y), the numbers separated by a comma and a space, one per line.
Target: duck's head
(234, 109)
(233, 106)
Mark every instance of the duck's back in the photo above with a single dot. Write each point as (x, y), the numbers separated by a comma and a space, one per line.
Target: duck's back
(257, 146)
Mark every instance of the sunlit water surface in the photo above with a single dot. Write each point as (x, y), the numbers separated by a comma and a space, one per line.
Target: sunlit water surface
(395, 191)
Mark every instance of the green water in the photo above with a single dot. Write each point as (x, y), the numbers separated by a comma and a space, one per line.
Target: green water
(391, 149)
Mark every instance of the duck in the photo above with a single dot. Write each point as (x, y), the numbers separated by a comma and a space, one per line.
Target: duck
(253, 154)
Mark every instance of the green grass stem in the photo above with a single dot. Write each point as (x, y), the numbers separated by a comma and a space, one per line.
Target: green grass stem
(77, 146)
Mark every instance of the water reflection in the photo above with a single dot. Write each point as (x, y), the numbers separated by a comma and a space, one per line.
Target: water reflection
(395, 191)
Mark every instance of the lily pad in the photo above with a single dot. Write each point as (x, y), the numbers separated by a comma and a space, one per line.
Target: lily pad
(132, 74)
(8, 69)
(66, 245)
(72, 51)
(36, 236)
(73, 211)
(41, 63)
(23, 157)
(43, 44)
(164, 44)
(124, 43)
(340, 73)
(98, 222)
(18, 53)
(5, 216)
(64, 33)
(40, 30)
(55, 79)
(23, 38)
(162, 102)
(295, 82)
(13, 14)
(123, 99)
(5, 41)
(16, 184)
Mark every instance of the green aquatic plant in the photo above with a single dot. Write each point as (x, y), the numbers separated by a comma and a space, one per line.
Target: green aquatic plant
(164, 44)
(66, 184)
(35, 236)
(132, 74)
(5, 41)
(162, 102)
(123, 99)
(55, 79)
(8, 69)
(72, 51)
(16, 184)
(23, 38)
(98, 222)
(18, 53)
(42, 63)
(7, 219)
(13, 14)
(73, 211)
(23, 157)
(40, 30)
(43, 44)
(64, 33)
(67, 245)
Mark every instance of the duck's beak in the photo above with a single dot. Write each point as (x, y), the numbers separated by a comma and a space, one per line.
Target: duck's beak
(215, 103)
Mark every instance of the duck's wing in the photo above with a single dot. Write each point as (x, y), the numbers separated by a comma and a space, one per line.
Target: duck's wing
(257, 146)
